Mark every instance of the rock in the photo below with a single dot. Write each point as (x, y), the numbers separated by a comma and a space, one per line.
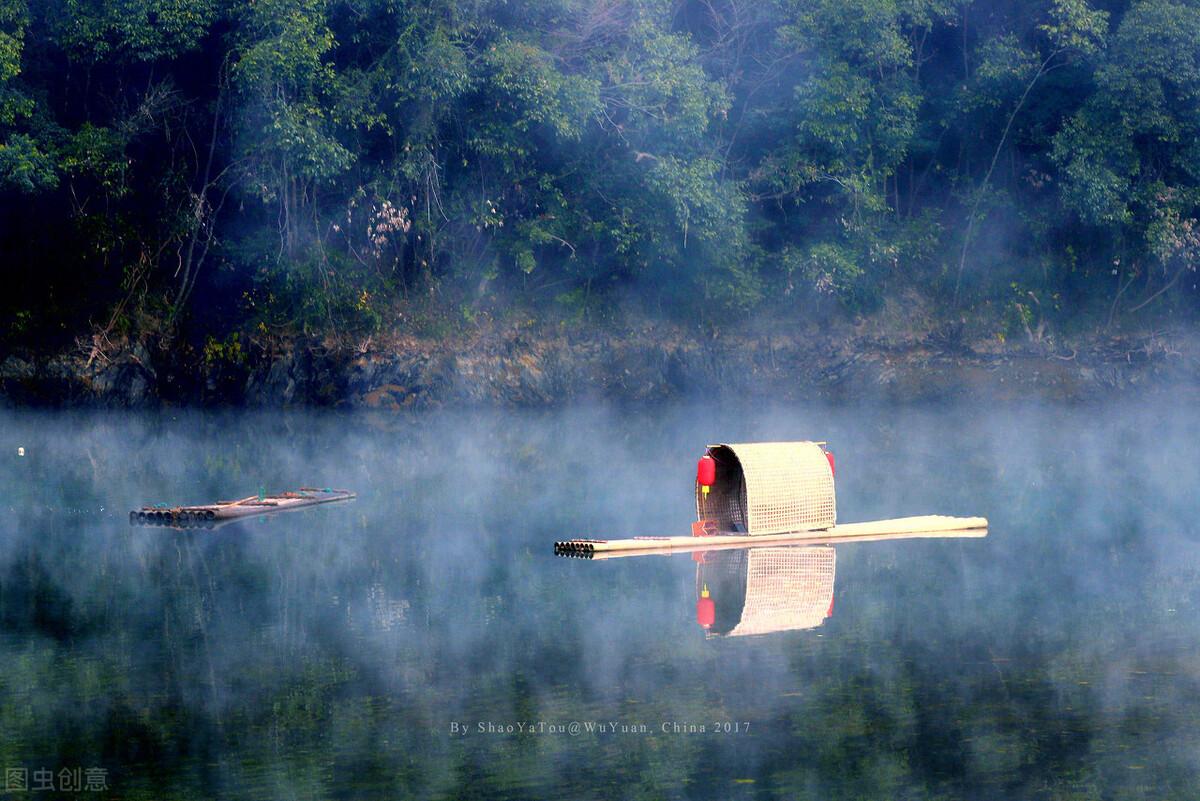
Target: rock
(18, 380)
(389, 396)
(127, 380)
(15, 369)
(525, 369)
(371, 372)
(276, 386)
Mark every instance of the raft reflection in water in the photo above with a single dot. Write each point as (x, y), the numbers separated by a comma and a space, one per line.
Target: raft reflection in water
(764, 590)
(743, 588)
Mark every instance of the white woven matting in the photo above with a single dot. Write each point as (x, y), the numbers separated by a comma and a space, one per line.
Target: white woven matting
(770, 488)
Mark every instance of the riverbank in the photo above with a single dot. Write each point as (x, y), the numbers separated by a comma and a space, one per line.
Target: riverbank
(554, 365)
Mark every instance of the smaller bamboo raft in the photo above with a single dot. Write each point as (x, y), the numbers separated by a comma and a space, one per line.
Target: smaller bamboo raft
(898, 528)
(212, 515)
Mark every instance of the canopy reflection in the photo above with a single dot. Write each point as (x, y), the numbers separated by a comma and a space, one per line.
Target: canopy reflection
(765, 590)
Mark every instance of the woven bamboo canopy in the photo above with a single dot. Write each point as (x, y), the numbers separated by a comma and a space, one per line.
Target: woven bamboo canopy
(770, 488)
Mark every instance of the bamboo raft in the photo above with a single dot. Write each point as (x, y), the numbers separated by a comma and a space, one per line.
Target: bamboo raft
(925, 526)
(221, 512)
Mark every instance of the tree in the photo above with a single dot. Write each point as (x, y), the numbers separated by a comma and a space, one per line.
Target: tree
(287, 131)
(1074, 30)
(854, 110)
(1128, 156)
(24, 163)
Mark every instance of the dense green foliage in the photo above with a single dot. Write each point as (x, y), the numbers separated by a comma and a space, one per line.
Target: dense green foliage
(341, 166)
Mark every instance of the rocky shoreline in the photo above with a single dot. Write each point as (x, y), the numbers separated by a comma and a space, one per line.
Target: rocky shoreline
(523, 369)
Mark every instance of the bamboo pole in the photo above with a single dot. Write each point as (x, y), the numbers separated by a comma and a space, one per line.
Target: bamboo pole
(235, 503)
(923, 527)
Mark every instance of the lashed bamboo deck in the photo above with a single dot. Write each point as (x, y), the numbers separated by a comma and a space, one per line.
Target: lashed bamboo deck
(898, 528)
(212, 515)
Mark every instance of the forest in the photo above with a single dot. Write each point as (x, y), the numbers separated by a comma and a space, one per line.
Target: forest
(224, 170)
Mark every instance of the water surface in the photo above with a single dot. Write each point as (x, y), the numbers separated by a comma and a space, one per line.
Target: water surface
(384, 648)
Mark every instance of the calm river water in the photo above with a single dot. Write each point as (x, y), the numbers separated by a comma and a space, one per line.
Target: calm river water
(424, 642)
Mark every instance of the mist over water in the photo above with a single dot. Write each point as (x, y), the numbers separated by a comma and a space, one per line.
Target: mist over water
(338, 652)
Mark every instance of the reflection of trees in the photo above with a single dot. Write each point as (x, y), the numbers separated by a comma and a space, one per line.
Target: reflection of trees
(258, 660)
